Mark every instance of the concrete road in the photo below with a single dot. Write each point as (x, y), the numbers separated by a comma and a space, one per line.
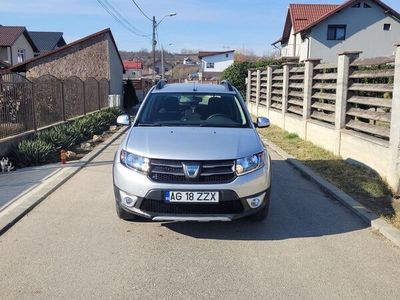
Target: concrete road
(73, 246)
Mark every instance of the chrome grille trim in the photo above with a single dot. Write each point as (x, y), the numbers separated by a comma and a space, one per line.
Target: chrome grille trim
(211, 172)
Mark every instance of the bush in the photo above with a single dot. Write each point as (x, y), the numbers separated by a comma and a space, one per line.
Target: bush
(237, 73)
(62, 137)
(45, 146)
(33, 152)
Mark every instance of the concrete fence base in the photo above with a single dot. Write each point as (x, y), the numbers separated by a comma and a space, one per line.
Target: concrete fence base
(356, 147)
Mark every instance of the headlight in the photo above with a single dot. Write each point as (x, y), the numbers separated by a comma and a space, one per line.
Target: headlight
(250, 163)
(136, 162)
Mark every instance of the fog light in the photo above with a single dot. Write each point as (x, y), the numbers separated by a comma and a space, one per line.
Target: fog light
(128, 200)
(256, 202)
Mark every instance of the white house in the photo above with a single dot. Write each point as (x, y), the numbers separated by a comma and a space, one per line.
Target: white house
(324, 30)
(133, 69)
(213, 63)
(16, 46)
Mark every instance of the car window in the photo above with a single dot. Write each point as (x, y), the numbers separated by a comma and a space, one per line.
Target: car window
(214, 110)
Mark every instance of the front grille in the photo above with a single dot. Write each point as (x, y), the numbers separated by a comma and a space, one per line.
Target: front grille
(211, 172)
(223, 207)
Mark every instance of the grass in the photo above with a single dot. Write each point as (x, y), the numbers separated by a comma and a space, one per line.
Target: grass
(359, 181)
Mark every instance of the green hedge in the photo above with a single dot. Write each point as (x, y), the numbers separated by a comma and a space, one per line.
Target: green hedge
(44, 147)
(237, 73)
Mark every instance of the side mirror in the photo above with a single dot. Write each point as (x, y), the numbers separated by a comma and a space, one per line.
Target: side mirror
(124, 120)
(262, 122)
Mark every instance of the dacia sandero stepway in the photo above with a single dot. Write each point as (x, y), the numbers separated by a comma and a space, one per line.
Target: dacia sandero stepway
(192, 153)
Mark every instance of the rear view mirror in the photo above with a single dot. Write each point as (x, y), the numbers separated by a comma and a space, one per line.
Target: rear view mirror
(124, 120)
(262, 122)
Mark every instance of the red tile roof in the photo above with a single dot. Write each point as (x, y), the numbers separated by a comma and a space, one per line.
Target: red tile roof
(132, 64)
(348, 3)
(304, 16)
(299, 16)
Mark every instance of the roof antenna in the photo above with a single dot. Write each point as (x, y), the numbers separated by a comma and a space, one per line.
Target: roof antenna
(194, 86)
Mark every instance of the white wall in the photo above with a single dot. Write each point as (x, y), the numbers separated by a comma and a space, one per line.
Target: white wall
(221, 62)
(133, 73)
(21, 43)
(364, 33)
(115, 71)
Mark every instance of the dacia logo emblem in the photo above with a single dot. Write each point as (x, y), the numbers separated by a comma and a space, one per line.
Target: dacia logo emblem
(191, 170)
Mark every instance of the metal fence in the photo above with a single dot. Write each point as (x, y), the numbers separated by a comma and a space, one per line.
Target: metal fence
(30, 105)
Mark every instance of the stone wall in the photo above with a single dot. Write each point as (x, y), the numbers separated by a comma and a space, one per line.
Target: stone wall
(87, 59)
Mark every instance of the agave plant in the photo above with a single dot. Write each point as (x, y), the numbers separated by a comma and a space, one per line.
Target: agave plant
(62, 137)
(34, 152)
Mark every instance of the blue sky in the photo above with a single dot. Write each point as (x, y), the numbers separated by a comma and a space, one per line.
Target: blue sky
(199, 24)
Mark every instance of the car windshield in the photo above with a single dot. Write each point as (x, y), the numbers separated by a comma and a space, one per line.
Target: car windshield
(208, 110)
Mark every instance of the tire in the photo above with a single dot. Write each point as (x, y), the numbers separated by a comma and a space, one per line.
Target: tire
(261, 215)
(124, 215)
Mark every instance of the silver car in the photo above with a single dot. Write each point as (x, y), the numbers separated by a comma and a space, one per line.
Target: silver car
(192, 154)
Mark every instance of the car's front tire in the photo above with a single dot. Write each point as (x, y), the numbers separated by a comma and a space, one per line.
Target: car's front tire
(124, 215)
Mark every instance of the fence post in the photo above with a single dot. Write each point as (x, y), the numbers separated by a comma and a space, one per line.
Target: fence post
(285, 91)
(33, 106)
(84, 96)
(98, 94)
(63, 101)
(344, 61)
(394, 141)
(309, 65)
(269, 88)
(248, 87)
(258, 90)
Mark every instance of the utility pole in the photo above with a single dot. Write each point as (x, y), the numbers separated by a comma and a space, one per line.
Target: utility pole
(154, 48)
(162, 62)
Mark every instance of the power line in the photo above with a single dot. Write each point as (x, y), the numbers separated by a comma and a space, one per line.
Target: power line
(119, 18)
(124, 19)
(143, 13)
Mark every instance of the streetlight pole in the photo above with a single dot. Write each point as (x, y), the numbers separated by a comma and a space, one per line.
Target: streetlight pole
(155, 24)
(154, 47)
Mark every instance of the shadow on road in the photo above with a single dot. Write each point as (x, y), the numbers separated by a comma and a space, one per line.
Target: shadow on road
(299, 209)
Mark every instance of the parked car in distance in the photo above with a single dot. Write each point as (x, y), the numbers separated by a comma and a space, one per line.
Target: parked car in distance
(192, 154)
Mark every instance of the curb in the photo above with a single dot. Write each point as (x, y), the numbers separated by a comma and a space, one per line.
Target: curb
(22, 206)
(369, 217)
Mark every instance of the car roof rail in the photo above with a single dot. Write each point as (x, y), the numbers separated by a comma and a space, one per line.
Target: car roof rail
(227, 85)
(160, 84)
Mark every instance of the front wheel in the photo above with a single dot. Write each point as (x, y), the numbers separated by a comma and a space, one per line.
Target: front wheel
(124, 215)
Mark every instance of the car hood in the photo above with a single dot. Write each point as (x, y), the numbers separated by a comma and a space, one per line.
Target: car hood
(193, 143)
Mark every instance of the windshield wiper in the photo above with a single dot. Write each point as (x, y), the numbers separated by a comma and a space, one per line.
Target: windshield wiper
(220, 125)
(150, 124)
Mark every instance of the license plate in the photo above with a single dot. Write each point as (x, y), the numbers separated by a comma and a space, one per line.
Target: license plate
(192, 197)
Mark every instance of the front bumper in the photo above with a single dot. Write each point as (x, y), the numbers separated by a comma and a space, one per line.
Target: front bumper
(150, 203)
(230, 207)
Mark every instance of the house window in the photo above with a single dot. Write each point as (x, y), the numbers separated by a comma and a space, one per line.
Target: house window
(337, 32)
(387, 27)
(357, 5)
(21, 55)
(366, 5)
(226, 55)
(210, 65)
